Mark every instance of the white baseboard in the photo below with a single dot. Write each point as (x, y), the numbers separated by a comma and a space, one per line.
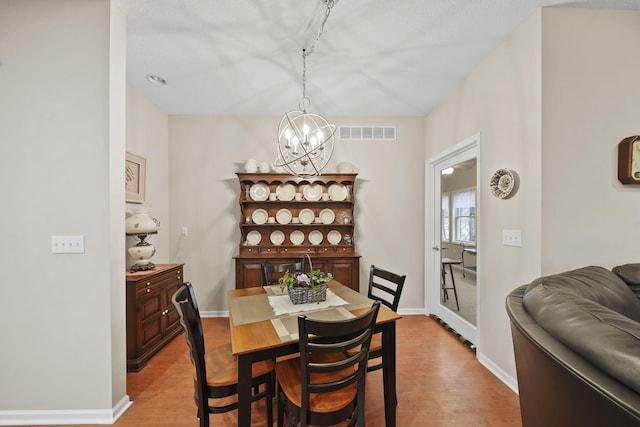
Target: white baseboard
(411, 311)
(65, 416)
(511, 382)
(214, 314)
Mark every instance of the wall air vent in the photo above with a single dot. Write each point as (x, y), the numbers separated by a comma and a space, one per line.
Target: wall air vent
(369, 133)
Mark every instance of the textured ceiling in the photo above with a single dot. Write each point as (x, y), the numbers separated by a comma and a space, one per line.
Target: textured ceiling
(244, 57)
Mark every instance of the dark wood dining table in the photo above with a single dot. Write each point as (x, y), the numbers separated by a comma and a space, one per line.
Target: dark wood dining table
(257, 339)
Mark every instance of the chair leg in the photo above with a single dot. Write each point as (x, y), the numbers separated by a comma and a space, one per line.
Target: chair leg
(445, 294)
(453, 282)
(269, 400)
(280, 410)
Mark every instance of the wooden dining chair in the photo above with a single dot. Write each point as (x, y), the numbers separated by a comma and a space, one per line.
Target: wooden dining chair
(216, 369)
(272, 272)
(323, 386)
(386, 287)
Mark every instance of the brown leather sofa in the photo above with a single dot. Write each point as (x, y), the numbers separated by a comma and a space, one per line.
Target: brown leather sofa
(576, 338)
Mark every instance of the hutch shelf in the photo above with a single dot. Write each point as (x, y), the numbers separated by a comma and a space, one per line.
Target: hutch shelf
(284, 218)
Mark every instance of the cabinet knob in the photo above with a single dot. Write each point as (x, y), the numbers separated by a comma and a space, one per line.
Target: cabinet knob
(148, 284)
(164, 313)
(148, 290)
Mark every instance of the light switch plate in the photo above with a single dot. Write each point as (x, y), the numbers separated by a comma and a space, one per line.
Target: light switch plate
(67, 244)
(512, 238)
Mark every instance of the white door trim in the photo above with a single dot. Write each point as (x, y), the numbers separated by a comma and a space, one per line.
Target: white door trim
(470, 146)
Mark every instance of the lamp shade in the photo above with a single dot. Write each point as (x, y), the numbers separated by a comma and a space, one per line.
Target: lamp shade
(141, 223)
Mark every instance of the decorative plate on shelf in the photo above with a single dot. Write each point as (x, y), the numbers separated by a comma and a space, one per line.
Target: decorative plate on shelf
(306, 216)
(327, 216)
(254, 237)
(502, 183)
(338, 192)
(285, 192)
(277, 237)
(312, 192)
(334, 237)
(296, 237)
(259, 216)
(315, 237)
(283, 216)
(259, 191)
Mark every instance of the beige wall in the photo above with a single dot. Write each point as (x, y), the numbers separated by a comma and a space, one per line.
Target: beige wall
(590, 81)
(551, 103)
(501, 101)
(206, 152)
(62, 314)
(148, 136)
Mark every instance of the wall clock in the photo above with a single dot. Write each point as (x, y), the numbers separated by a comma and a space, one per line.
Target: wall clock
(629, 160)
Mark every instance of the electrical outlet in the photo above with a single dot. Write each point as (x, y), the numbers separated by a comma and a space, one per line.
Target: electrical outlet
(184, 231)
(67, 244)
(512, 238)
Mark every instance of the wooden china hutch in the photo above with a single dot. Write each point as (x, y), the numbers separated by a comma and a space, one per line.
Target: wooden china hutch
(284, 218)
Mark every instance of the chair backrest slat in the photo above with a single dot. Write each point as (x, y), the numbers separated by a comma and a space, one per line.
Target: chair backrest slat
(386, 287)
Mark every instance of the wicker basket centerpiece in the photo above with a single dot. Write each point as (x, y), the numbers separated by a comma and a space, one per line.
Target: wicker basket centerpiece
(308, 287)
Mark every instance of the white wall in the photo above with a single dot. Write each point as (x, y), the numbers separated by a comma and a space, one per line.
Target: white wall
(591, 84)
(147, 136)
(501, 100)
(206, 152)
(62, 315)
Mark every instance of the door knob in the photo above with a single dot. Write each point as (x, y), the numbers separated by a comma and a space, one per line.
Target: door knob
(435, 248)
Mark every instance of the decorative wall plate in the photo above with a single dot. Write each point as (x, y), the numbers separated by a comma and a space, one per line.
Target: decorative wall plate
(327, 216)
(259, 216)
(338, 192)
(312, 192)
(334, 237)
(277, 237)
(254, 237)
(296, 237)
(283, 216)
(259, 191)
(502, 183)
(306, 216)
(315, 237)
(285, 192)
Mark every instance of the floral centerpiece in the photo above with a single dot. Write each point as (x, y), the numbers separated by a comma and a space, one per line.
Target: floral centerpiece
(306, 287)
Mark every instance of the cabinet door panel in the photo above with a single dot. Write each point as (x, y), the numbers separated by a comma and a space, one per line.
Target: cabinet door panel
(250, 275)
(150, 333)
(150, 305)
(343, 273)
(172, 317)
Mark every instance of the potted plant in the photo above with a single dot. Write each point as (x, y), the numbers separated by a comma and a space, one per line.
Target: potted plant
(306, 287)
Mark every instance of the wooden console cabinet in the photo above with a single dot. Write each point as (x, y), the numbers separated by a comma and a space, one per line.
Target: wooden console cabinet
(152, 320)
(284, 218)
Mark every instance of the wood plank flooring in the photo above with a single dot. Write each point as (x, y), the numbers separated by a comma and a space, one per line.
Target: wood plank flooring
(440, 383)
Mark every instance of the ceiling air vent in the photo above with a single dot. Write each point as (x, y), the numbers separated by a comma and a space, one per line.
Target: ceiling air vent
(371, 133)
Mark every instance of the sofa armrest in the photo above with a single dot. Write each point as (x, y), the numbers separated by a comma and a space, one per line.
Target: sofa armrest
(604, 337)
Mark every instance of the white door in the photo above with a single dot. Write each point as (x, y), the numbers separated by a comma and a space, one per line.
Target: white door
(462, 155)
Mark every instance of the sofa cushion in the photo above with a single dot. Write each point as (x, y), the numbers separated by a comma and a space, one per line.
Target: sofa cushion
(596, 284)
(630, 273)
(602, 336)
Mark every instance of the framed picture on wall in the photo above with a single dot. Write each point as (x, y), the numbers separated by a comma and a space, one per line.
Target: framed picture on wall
(135, 175)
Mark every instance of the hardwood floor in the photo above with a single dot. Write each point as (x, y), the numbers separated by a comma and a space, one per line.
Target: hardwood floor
(440, 383)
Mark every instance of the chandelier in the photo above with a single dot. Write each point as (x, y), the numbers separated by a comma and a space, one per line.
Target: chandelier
(306, 140)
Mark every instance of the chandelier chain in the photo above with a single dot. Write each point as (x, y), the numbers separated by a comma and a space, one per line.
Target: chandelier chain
(305, 102)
